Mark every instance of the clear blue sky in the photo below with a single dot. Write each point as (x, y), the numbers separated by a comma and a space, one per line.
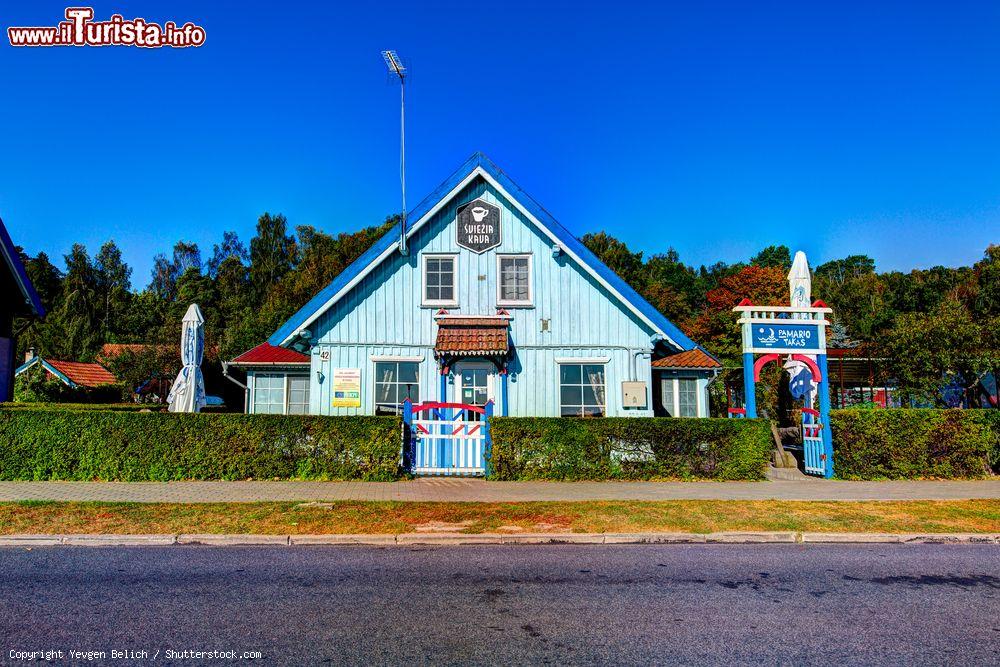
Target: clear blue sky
(711, 127)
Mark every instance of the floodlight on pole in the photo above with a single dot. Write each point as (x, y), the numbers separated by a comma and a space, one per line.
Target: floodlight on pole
(396, 67)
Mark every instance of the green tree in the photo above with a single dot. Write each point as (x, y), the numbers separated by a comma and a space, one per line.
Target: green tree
(774, 256)
(987, 277)
(44, 277)
(231, 247)
(113, 281)
(851, 267)
(73, 329)
(272, 253)
(926, 351)
(627, 264)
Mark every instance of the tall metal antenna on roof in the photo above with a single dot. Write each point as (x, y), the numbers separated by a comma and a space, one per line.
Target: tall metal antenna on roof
(396, 67)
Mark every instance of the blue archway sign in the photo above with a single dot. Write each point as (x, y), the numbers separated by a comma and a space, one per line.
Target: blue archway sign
(796, 333)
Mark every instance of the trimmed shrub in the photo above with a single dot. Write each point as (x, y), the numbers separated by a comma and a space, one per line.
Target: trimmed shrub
(626, 448)
(915, 443)
(126, 407)
(132, 446)
(992, 419)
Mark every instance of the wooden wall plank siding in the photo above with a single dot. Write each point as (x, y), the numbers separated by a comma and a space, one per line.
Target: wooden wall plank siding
(383, 316)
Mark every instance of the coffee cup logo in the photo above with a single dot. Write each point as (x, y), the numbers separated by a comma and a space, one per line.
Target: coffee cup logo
(478, 227)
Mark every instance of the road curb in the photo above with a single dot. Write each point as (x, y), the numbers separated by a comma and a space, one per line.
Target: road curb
(225, 540)
(452, 539)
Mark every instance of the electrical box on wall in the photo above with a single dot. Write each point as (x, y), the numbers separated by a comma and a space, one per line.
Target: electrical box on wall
(633, 394)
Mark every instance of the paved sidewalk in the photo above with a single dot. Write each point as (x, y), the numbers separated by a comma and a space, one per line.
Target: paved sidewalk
(477, 490)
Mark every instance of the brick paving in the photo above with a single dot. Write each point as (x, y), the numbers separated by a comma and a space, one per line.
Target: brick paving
(477, 490)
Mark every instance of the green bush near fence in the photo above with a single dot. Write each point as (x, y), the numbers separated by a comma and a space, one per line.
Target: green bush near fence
(629, 449)
(132, 446)
(915, 443)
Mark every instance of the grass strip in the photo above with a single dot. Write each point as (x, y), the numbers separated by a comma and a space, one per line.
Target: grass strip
(689, 516)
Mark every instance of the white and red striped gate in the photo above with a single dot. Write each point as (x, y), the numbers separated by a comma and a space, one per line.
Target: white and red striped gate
(447, 438)
(813, 452)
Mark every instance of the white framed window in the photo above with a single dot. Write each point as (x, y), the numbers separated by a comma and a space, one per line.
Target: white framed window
(280, 394)
(679, 396)
(395, 381)
(298, 394)
(582, 390)
(440, 280)
(268, 394)
(514, 280)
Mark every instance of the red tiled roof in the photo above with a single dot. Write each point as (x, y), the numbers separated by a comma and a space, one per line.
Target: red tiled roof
(114, 349)
(688, 359)
(111, 351)
(472, 335)
(265, 353)
(87, 375)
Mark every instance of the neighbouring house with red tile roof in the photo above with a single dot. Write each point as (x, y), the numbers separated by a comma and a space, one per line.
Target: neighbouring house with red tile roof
(110, 351)
(277, 379)
(72, 373)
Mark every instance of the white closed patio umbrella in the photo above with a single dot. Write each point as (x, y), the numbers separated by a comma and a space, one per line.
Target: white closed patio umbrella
(799, 282)
(188, 391)
(800, 295)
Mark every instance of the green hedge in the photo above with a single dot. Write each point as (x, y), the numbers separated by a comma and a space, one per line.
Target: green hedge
(118, 407)
(915, 443)
(629, 448)
(132, 446)
(123, 407)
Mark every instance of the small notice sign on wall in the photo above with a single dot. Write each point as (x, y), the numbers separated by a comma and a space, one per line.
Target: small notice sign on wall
(478, 226)
(347, 387)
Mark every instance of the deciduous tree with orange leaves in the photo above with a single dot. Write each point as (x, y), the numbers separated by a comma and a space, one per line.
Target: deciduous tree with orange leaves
(716, 328)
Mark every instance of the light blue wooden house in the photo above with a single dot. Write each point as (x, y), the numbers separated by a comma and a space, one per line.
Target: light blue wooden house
(484, 296)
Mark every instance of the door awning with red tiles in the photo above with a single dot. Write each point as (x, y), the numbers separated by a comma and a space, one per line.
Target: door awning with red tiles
(689, 359)
(472, 337)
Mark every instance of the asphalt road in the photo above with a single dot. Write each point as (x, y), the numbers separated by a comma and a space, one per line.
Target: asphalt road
(684, 604)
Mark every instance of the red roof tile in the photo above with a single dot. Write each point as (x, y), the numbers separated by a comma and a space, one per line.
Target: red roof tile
(265, 353)
(688, 359)
(472, 335)
(109, 350)
(87, 375)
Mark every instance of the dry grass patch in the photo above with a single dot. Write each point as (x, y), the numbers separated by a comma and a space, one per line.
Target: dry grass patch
(694, 516)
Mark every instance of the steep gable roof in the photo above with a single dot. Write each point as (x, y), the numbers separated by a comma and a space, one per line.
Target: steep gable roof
(32, 304)
(73, 373)
(480, 165)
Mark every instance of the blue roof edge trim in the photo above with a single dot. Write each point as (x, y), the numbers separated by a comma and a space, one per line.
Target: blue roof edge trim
(545, 218)
(10, 254)
(47, 366)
